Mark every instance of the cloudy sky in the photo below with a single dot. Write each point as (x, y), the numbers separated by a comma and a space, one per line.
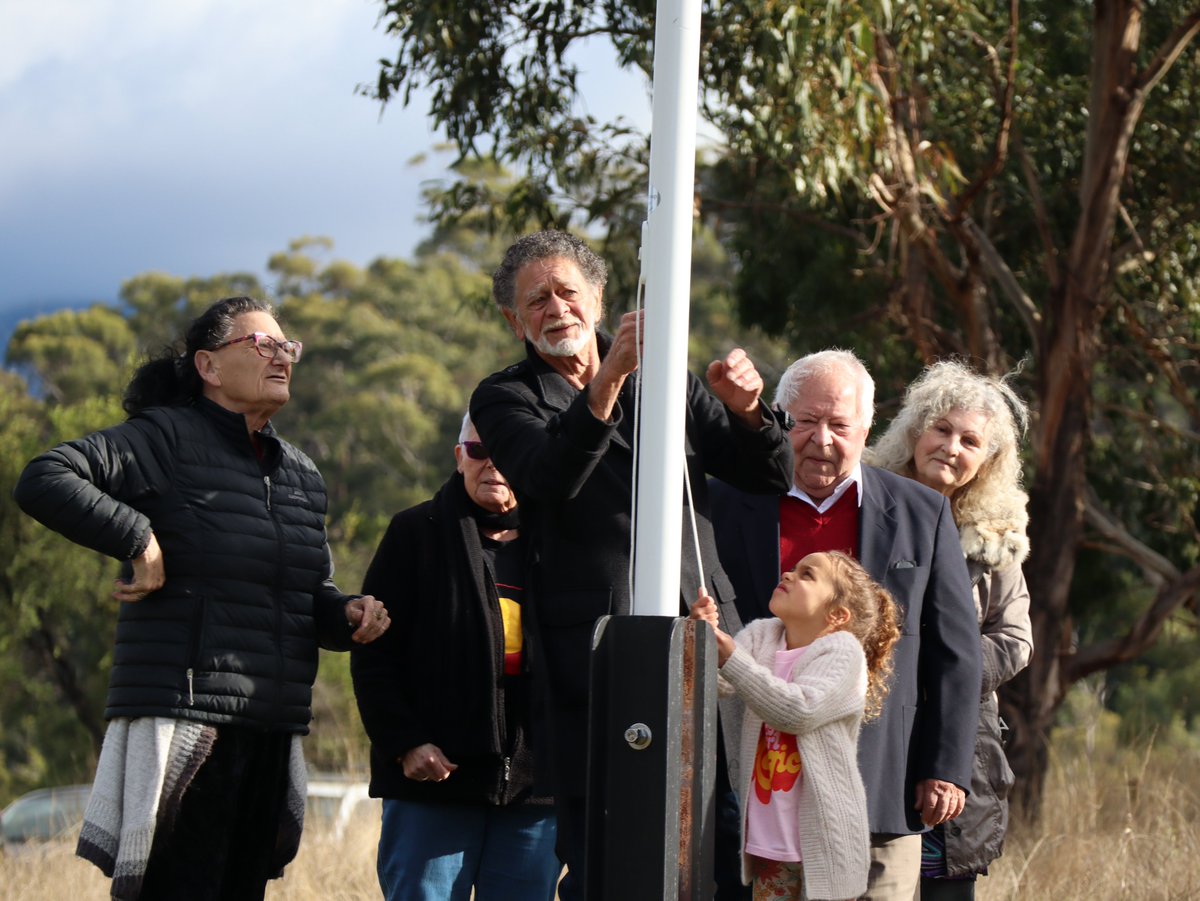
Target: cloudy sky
(199, 136)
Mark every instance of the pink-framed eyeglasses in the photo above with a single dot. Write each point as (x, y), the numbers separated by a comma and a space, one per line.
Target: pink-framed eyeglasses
(267, 347)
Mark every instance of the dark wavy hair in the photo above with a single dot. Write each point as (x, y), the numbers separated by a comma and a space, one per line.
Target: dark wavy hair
(169, 378)
(540, 246)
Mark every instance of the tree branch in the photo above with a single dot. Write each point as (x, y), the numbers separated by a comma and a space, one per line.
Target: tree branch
(1157, 568)
(1133, 252)
(1041, 218)
(1166, 364)
(1155, 422)
(1000, 151)
(1007, 282)
(1142, 634)
(803, 218)
(1169, 52)
(907, 208)
(1130, 256)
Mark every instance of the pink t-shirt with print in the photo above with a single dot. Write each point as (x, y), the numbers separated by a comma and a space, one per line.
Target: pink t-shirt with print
(773, 808)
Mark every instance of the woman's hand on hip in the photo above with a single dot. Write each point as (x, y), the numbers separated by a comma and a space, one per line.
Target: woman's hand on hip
(148, 574)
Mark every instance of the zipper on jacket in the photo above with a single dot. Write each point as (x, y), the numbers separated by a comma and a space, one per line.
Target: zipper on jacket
(195, 643)
(277, 595)
(505, 790)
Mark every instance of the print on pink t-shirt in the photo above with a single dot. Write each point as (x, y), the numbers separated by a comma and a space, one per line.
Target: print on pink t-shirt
(772, 810)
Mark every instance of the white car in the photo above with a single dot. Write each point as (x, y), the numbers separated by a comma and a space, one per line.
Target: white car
(45, 814)
(334, 802)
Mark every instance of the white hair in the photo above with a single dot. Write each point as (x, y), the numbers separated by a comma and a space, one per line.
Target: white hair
(823, 363)
(464, 434)
(995, 492)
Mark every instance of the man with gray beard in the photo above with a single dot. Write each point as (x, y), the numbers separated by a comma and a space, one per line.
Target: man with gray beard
(560, 425)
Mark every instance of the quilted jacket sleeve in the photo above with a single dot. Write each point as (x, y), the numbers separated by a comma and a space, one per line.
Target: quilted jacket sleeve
(89, 490)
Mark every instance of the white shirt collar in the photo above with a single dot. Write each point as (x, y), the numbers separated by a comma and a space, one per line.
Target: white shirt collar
(855, 478)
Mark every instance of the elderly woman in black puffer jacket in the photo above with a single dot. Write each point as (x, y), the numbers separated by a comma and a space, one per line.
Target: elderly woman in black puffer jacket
(227, 595)
(959, 433)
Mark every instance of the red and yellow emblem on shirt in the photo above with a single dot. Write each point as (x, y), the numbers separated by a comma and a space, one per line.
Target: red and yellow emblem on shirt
(776, 763)
(510, 610)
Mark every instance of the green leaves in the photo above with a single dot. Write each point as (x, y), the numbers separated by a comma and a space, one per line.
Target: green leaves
(907, 179)
(74, 354)
(55, 613)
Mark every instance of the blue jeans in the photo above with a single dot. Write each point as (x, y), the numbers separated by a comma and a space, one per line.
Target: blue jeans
(438, 852)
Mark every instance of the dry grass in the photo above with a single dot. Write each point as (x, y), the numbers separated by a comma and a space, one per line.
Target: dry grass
(326, 869)
(1127, 827)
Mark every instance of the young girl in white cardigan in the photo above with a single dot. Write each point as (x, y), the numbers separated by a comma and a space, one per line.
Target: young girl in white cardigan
(807, 678)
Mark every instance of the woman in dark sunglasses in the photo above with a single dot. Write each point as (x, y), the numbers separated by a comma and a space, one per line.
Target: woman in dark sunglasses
(226, 594)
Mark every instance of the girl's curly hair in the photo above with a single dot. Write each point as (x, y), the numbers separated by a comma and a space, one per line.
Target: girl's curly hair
(873, 621)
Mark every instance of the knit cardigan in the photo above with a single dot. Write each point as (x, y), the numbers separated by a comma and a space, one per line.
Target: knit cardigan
(822, 706)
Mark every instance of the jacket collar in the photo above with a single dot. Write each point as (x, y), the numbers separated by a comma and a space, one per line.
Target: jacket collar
(232, 427)
(453, 514)
(553, 390)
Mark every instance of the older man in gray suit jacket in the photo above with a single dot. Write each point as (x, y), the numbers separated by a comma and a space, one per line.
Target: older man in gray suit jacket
(916, 757)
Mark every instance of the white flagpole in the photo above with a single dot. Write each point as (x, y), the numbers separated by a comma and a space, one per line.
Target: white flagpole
(666, 267)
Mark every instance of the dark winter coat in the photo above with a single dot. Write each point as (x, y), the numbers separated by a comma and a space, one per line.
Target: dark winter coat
(573, 475)
(994, 553)
(232, 635)
(438, 676)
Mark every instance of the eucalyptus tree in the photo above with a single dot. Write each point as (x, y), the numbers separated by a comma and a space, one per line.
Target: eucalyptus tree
(56, 613)
(1002, 182)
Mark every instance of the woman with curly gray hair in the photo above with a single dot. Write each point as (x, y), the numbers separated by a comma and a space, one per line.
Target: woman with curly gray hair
(958, 433)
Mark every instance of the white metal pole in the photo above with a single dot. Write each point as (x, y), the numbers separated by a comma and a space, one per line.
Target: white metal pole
(667, 264)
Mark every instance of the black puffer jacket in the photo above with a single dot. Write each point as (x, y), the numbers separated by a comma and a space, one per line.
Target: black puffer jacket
(232, 636)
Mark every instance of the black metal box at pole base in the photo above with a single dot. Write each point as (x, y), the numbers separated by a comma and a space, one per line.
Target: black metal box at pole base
(651, 760)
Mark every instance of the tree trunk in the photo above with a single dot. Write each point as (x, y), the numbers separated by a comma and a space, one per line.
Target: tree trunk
(1066, 370)
(1029, 703)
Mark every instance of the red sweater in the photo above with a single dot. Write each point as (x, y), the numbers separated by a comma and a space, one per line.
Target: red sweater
(804, 531)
